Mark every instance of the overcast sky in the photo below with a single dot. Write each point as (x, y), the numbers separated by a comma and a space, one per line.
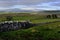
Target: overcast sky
(30, 4)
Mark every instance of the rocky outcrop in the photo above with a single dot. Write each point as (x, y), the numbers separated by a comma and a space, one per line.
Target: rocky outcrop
(14, 25)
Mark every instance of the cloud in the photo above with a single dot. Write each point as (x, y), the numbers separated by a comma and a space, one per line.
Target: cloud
(30, 4)
(5, 3)
(55, 4)
(42, 6)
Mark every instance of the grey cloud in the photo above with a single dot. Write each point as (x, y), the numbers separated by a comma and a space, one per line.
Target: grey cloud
(56, 4)
(7, 3)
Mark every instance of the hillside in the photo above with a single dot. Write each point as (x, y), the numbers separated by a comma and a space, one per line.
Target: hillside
(43, 32)
(48, 30)
(50, 12)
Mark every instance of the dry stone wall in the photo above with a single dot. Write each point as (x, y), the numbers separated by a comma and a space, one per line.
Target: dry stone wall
(14, 25)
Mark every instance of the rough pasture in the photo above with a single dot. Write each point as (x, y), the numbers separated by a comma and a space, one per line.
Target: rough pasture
(42, 31)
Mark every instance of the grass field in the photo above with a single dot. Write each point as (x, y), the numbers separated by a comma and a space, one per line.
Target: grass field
(41, 32)
(34, 18)
(44, 32)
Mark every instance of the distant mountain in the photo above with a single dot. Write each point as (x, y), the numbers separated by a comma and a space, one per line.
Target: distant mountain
(50, 11)
(20, 10)
(16, 10)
